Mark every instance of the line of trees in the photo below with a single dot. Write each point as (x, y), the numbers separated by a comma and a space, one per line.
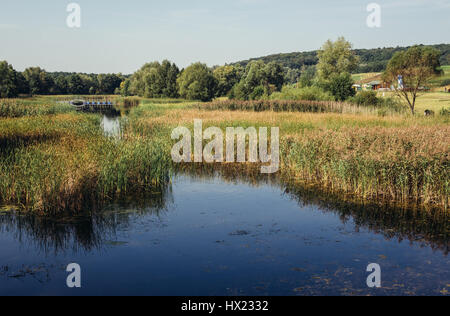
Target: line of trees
(36, 81)
(199, 82)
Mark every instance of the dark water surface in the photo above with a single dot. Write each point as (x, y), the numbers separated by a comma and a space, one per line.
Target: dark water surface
(207, 236)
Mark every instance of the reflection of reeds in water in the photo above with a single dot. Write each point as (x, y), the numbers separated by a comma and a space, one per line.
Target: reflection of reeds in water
(88, 231)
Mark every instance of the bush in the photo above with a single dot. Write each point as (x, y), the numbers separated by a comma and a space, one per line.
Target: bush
(366, 98)
(341, 86)
(312, 93)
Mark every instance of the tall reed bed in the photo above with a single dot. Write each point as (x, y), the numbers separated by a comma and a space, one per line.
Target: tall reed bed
(64, 163)
(19, 108)
(288, 106)
(408, 164)
(128, 102)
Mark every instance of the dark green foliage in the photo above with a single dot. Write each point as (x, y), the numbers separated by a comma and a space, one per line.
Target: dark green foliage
(38, 80)
(197, 82)
(155, 80)
(340, 86)
(10, 82)
(366, 98)
(258, 80)
(307, 76)
(227, 77)
(292, 76)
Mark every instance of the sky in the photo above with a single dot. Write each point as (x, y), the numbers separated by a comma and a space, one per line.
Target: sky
(120, 36)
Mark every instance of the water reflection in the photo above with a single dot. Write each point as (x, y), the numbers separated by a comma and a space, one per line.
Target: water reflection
(111, 126)
(86, 232)
(89, 231)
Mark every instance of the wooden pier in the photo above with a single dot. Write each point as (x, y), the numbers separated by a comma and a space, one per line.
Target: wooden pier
(93, 106)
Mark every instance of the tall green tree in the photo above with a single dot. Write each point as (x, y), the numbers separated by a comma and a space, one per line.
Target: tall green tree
(336, 58)
(108, 83)
(38, 80)
(340, 86)
(76, 85)
(307, 76)
(415, 66)
(155, 80)
(8, 81)
(258, 80)
(227, 77)
(197, 82)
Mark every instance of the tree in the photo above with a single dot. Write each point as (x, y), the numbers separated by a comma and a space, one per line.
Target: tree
(258, 80)
(155, 80)
(108, 83)
(227, 77)
(125, 88)
(340, 86)
(292, 75)
(170, 72)
(76, 85)
(307, 76)
(197, 82)
(38, 80)
(8, 81)
(416, 66)
(336, 58)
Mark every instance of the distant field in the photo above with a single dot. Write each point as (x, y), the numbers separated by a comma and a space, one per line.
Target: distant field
(438, 81)
(434, 101)
(364, 76)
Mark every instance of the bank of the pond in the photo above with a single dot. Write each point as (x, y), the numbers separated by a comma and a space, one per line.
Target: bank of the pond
(63, 162)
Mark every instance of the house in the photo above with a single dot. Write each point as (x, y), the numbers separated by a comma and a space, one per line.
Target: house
(373, 83)
(376, 85)
(357, 87)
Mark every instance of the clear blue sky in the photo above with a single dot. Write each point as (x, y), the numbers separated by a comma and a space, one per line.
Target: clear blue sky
(120, 36)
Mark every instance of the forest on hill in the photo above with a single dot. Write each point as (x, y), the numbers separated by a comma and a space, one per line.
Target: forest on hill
(371, 60)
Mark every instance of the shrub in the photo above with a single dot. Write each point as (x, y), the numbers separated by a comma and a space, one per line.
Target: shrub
(312, 93)
(341, 86)
(366, 98)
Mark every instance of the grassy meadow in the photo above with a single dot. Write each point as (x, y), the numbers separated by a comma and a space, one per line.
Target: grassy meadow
(55, 160)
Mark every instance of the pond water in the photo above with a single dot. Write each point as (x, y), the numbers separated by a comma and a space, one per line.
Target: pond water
(204, 235)
(110, 125)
